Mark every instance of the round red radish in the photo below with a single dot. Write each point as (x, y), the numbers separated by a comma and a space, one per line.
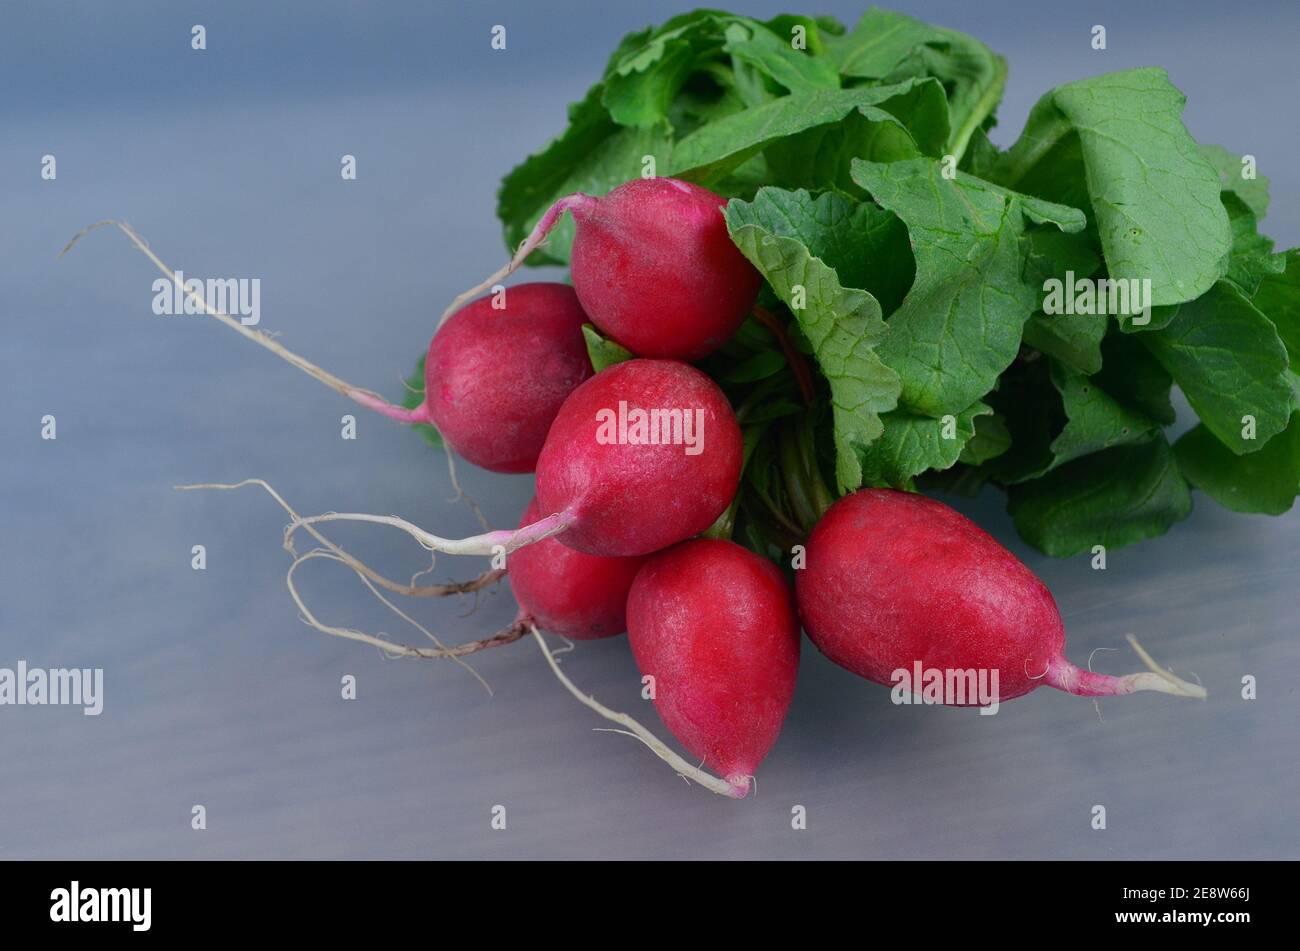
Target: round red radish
(616, 491)
(494, 379)
(568, 592)
(715, 625)
(656, 270)
(893, 579)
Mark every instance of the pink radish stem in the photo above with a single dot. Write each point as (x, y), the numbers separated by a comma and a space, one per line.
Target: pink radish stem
(1064, 675)
(366, 398)
(416, 414)
(486, 544)
(573, 202)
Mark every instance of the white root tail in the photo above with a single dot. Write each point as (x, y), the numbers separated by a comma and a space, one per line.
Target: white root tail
(656, 745)
(1160, 679)
(367, 398)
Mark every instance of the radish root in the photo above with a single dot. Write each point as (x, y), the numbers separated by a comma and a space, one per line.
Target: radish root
(366, 398)
(439, 652)
(411, 590)
(370, 578)
(1064, 675)
(1160, 678)
(734, 790)
(534, 240)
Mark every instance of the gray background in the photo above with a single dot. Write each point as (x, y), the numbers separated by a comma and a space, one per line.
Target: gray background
(227, 160)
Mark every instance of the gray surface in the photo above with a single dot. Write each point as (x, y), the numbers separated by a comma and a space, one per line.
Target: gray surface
(216, 694)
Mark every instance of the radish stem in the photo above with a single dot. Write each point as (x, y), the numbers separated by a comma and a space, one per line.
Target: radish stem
(488, 543)
(798, 363)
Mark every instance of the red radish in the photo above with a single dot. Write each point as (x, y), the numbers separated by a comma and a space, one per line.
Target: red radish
(495, 378)
(653, 266)
(611, 486)
(568, 592)
(622, 498)
(893, 579)
(716, 627)
(657, 271)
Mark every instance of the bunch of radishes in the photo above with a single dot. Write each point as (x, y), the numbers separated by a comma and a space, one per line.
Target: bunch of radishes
(885, 580)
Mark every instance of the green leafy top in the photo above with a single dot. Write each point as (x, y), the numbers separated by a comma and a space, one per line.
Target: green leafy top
(793, 239)
(1115, 145)
(937, 311)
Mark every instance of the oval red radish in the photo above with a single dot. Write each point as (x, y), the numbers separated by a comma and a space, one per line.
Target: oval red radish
(893, 579)
(653, 265)
(715, 625)
(657, 271)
